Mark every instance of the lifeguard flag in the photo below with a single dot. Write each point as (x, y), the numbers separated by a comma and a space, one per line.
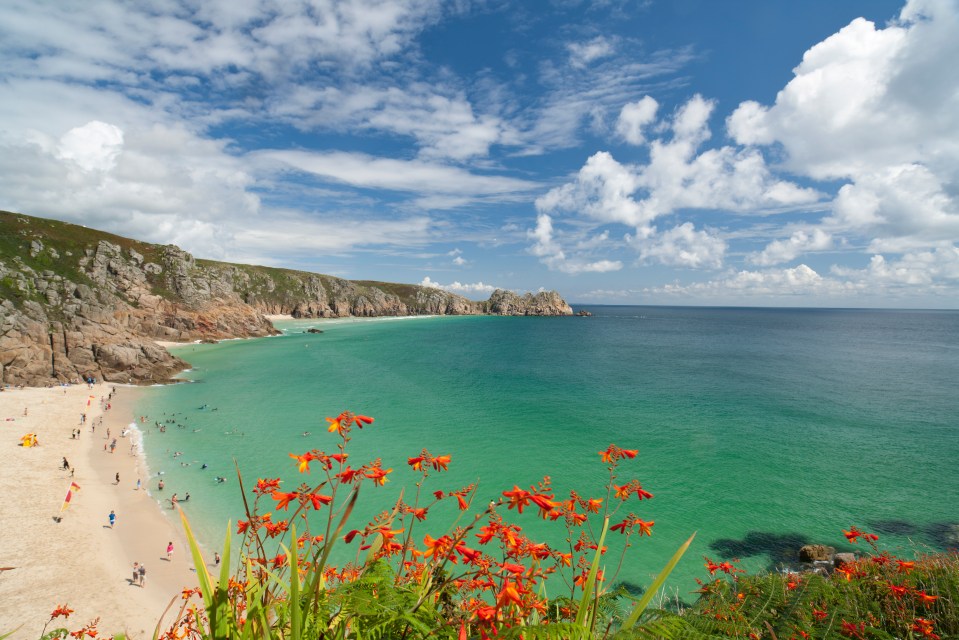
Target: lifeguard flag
(66, 501)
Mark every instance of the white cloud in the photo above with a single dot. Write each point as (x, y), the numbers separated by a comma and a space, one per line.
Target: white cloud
(801, 241)
(93, 147)
(582, 54)
(634, 117)
(551, 253)
(877, 108)
(922, 268)
(361, 170)
(460, 288)
(682, 246)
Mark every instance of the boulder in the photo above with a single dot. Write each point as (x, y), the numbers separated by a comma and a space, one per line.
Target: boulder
(816, 553)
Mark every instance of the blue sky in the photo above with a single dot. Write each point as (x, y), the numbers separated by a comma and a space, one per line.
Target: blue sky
(627, 152)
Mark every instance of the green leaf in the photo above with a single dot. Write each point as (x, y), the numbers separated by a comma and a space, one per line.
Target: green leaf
(591, 579)
(657, 583)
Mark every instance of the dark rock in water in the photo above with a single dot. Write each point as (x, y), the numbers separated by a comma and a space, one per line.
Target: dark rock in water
(814, 552)
(208, 341)
(842, 559)
(312, 330)
(584, 313)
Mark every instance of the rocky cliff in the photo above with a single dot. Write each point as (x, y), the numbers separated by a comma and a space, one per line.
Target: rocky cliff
(77, 303)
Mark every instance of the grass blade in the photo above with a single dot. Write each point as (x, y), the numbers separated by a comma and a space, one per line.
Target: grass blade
(657, 583)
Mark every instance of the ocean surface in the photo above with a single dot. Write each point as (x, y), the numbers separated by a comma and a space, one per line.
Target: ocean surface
(759, 429)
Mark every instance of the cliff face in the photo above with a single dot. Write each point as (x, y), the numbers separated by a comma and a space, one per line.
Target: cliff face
(77, 303)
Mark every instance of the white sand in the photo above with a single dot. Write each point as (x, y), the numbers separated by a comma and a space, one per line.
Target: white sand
(80, 561)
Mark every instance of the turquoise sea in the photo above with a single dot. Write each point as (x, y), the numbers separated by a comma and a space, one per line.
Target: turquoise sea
(760, 429)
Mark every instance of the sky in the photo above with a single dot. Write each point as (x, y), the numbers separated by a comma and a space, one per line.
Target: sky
(688, 152)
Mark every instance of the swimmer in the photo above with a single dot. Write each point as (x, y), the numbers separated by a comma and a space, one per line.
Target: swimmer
(204, 466)
(305, 433)
(220, 479)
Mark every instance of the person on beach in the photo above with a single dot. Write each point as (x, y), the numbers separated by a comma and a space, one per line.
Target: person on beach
(118, 477)
(136, 573)
(173, 501)
(138, 484)
(169, 550)
(66, 465)
(113, 445)
(216, 558)
(160, 486)
(143, 575)
(113, 518)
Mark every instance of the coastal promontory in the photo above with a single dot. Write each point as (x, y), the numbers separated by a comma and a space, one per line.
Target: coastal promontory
(78, 303)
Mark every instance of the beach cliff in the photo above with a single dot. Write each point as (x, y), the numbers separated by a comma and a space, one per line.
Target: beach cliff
(78, 303)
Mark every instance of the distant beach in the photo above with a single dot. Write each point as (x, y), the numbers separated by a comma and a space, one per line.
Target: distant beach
(80, 561)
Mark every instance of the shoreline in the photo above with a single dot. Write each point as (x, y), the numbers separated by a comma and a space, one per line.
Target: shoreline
(81, 561)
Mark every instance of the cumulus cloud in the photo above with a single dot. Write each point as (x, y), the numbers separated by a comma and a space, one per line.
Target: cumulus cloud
(552, 254)
(460, 287)
(677, 177)
(878, 109)
(800, 242)
(92, 147)
(682, 246)
(634, 117)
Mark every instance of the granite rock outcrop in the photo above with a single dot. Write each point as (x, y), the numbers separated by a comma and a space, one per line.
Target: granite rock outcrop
(77, 303)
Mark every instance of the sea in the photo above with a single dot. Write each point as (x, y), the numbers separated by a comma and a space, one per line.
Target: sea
(759, 430)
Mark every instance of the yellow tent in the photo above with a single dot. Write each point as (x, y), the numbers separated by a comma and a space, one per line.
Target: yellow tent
(29, 440)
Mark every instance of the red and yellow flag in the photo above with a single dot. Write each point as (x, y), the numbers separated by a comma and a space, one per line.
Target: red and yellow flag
(66, 501)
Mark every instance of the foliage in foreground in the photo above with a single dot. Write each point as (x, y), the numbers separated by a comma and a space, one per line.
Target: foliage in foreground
(484, 578)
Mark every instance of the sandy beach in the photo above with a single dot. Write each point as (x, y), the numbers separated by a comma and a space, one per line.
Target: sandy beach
(81, 561)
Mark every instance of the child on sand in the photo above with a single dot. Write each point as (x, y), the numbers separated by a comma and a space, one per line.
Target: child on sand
(113, 518)
(169, 550)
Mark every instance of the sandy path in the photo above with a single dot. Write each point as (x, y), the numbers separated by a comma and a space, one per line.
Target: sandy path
(80, 561)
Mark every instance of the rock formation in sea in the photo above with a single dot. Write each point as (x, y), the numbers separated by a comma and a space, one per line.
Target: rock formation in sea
(78, 303)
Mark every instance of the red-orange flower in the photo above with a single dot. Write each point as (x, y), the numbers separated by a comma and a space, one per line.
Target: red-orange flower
(284, 499)
(508, 594)
(441, 462)
(925, 598)
(416, 463)
(924, 627)
(518, 498)
(303, 461)
(897, 590)
(61, 610)
(319, 500)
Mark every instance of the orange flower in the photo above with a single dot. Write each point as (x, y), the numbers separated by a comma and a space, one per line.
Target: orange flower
(416, 463)
(378, 475)
(508, 594)
(593, 505)
(336, 425)
(284, 499)
(924, 627)
(303, 462)
(853, 630)
(348, 474)
(362, 420)
(904, 566)
(925, 598)
(819, 614)
(441, 462)
(645, 528)
(898, 591)
(241, 526)
(61, 610)
(319, 500)
(518, 498)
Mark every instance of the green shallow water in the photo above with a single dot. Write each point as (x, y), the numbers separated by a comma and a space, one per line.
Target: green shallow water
(760, 429)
